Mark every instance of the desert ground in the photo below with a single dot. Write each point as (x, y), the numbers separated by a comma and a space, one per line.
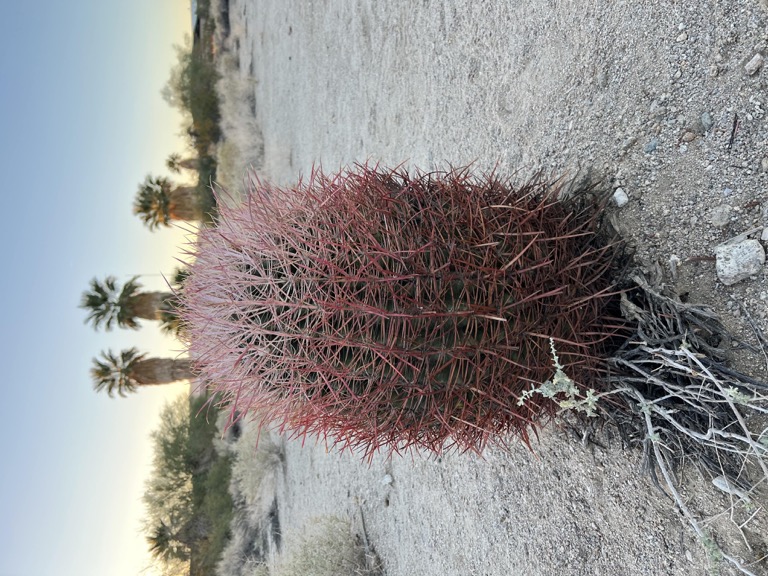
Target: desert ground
(664, 99)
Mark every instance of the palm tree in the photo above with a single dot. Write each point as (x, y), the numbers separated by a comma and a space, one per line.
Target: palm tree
(175, 163)
(175, 539)
(124, 373)
(166, 544)
(108, 304)
(169, 313)
(159, 201)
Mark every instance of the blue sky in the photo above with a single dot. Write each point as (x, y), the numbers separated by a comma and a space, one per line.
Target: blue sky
(82, 123)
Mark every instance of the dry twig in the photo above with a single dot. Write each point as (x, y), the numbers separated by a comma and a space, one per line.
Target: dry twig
(683, 404)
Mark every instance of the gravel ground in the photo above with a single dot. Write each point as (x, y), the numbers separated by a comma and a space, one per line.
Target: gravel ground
(663, 99)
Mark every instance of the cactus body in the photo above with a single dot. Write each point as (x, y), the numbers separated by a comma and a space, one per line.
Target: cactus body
(382, 309)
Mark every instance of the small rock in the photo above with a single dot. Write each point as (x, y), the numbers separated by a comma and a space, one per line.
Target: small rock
(738, 261)
(674, 263)
(706, 121)
(688, 137)
(682, 37)
(764, 164)
(754, 64)
(651, 146)
(764, 235)
(628, 143)
(720, 216)
(620, 197)
(722, 483)
(387, 480)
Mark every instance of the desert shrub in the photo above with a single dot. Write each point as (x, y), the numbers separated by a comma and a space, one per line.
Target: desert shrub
(326, 547)
(216, 511)
(391, 310)
(255, 525)
(254, 469)
(224, 442)
(242, 146)
(241, 553)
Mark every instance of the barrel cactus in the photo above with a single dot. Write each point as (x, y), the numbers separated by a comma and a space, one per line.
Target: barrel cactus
(385, 309)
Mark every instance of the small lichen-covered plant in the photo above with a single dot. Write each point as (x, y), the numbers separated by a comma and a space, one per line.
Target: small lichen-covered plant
(564, 391)
(386, 309)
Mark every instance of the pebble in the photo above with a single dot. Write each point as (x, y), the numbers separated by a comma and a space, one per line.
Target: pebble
(720, 216)
(629, 142)
(674, 263)
(706, 121)
(764, 164)
(688, 137)
(682, 37)
(754, 64)
(722, 483)
(738, 261)
(620, 197)
(651, 146)
(387, 480)
(764, 235)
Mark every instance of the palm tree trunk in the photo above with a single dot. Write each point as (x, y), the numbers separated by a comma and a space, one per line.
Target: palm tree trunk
(149, 305)
(184, 203)
(161, 370)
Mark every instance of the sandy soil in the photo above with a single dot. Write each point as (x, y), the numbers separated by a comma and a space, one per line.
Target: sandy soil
(640, 94)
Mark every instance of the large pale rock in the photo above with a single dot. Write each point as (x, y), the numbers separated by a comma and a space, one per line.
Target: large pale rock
(738, 261)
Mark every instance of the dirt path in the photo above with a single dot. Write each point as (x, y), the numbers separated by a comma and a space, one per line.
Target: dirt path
(642, 94)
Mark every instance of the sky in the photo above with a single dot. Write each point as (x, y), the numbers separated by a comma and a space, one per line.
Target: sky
(82, 122)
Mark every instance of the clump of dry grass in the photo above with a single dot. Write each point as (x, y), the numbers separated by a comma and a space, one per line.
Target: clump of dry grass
(243, 551)
(256, 459)
(326, 547)
(242, 146)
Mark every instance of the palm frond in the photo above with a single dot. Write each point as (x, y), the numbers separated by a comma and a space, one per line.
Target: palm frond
(152, 202)
(111, 373)
(108, 305)
(173, 163)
